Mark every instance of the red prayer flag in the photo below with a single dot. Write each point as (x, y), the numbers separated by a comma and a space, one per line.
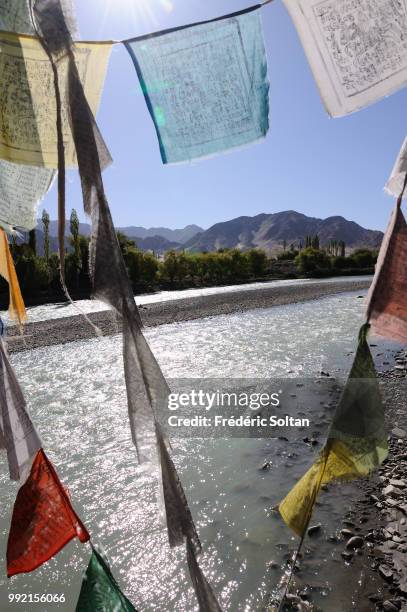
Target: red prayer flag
(387, 301)
(43, 520)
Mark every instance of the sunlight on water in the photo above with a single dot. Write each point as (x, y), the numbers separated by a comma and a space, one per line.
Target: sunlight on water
(65, 309)
(77, 398)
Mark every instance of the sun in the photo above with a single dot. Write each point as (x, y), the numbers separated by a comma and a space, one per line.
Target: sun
(145, 13)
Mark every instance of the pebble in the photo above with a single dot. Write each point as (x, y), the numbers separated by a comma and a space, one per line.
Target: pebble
(355, 542)
(314, 529)
(388, 606)
(347, 533)
(385, 572)
(392, 491)
(397, 483)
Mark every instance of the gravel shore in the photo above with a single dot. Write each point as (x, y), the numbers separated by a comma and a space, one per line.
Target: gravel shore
(371, 541)
(69, 329)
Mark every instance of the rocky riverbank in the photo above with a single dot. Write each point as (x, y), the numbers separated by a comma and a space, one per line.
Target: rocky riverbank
(385, 501)
(69, 329)
(371, 542)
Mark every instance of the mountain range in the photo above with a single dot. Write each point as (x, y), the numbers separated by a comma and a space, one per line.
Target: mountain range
(270, 231)
(266, 231)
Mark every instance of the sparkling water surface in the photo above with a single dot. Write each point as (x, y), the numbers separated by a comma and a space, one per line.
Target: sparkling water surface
(77, 399)
(65, 309)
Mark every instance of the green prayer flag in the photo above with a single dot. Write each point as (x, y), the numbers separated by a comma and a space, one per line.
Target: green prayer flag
(100, 591)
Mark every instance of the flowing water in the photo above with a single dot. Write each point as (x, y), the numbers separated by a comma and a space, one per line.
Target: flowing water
(77, 399)
(65, 309)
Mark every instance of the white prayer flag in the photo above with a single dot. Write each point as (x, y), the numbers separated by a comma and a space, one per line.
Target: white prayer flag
(21, 190)
(356, 50)
(395, 184)
(17, 433)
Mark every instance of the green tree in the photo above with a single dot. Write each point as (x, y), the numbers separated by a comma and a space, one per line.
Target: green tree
(312, 260)
(257, 261)
(32, 241)
(73, 263)
(74, 227)
(169, 267)
(45, 225)
(364, 258)
(124, 242)
(315, 242)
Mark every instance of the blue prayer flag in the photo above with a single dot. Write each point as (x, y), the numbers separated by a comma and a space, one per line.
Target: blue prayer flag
(205, 85)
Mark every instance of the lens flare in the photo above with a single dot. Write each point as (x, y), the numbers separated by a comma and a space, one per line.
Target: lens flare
(167, 5)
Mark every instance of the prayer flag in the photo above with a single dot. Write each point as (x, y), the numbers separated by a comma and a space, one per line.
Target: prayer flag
(43, 520)
(356, 50)
(387, 299)
(180, 524)
(8, 272)
(100, 591)
(17, 433)
(356, 441)
(28, 132)
(206, 598)
(15, 16)
(395, 184)
(205, 85)
(21, 190)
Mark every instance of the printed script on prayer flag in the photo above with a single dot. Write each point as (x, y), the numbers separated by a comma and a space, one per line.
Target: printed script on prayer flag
(21, 190)
(205, 85)
(28, 111)
(357, 50)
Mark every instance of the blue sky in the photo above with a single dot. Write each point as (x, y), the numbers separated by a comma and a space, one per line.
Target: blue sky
(309, 162)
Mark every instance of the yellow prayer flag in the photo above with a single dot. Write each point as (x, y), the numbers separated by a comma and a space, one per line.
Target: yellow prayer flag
(27, 100)
(335, 462)
(356, 441)
(8, 272)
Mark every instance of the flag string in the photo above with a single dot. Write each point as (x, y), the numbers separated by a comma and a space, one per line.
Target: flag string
(244, 11)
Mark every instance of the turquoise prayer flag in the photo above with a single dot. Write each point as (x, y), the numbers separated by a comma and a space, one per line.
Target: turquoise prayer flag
(205, 85)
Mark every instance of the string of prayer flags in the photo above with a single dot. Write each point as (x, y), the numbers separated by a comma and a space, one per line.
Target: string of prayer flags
(386, 302)
(395, 184)
(28, 133)
(205, 85)
(8, 272)
(100, 591)
(356, 50)
(17, 433)
(21, 190)
(43, 520)
(356, 441)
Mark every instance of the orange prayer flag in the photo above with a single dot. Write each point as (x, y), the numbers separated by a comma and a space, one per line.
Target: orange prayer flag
(8, 272)
(387, 302)
(43, 520)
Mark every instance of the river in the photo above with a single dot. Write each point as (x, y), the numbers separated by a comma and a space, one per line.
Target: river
(77, 399)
